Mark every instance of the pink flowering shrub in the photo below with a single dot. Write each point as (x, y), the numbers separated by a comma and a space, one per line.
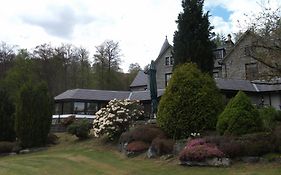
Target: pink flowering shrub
(116, 118)
(199, 150)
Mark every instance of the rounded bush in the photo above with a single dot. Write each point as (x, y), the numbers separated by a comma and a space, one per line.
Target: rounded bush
(239, 117)
(191, 103)
(80, 128)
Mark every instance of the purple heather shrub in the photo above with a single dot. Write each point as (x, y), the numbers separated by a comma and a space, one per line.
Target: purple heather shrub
(199, 150)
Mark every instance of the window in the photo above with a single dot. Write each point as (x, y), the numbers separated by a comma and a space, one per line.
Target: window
(67, 108)
(58, 108)
(251, 71)
(91, 108)
(169, 61)
(247, 50)
(167, 78)
(79, 107)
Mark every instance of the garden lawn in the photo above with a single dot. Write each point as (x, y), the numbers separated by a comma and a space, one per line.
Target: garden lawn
(71, 157)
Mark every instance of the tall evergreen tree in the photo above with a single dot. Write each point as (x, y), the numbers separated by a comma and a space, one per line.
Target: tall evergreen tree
(192, 40)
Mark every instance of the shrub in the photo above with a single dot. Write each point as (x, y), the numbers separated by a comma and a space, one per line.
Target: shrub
(52, 138)
(33, 115)
(137, 146)
(163, 146)
(6, 147)
(191, 103)
(256, 144)
(239, 117)
(268, 116)
(68, 121)
(80, 128)
(276, 134)
(199, 150)
(116, 118)
(7, 109)
(278, 117)
(145, 133)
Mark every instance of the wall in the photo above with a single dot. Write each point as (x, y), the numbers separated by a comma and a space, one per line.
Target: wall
(162, 69)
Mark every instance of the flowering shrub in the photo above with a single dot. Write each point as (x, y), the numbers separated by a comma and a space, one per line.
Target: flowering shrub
(199, 150)
(116, 118)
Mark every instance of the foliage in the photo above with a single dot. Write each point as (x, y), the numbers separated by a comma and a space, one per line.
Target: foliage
(116, 118)
(163, 146)
(137, 146)
(265, 46)
(52, 139)
(199, 150)
(145, 133)
(239, 117)
(80, 128)
(7, 122)
(6, 147)
(68, 121)
(192, 40)
(268, 116)
(255, 144)
(33, 115)
(191, 103)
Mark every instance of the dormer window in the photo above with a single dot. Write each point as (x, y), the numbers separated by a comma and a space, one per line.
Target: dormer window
(169, 61)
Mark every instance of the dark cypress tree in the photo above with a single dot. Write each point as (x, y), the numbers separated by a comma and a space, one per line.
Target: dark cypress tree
(33, 115)
(7, 124)
(192, 40)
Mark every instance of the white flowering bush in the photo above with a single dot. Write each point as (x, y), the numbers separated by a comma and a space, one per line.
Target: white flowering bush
(116, 118)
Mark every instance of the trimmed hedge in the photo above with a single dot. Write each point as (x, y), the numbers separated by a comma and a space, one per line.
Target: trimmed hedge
(239, 117)
(191, 103)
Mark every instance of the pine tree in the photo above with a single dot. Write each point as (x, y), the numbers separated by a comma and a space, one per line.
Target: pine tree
(192, 40)
(33, 115)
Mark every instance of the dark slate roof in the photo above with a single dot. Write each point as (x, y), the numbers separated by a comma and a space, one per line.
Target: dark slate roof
(89, 94)
(102, 95)
(140, 79)
(144, 95)
(230, 84)
(166, 45)
(246, 85)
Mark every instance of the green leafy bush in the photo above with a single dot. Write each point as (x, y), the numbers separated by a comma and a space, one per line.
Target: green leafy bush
(7, 122)
(68, 121)
(191, 103)
(80, 128)
(116, 118)
(239, 117)
(33, 115)
(268, 116)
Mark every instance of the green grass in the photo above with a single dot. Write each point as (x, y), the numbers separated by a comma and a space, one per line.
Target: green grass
(71, 157)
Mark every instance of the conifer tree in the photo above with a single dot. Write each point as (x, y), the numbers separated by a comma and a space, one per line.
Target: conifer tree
(192, 40)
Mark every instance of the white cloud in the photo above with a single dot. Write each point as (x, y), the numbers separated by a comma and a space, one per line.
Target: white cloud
(139, 26)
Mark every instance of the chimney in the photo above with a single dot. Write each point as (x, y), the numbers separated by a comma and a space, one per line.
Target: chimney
(228, 44)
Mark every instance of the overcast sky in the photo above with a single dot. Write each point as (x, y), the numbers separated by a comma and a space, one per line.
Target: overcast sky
(140, 26)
